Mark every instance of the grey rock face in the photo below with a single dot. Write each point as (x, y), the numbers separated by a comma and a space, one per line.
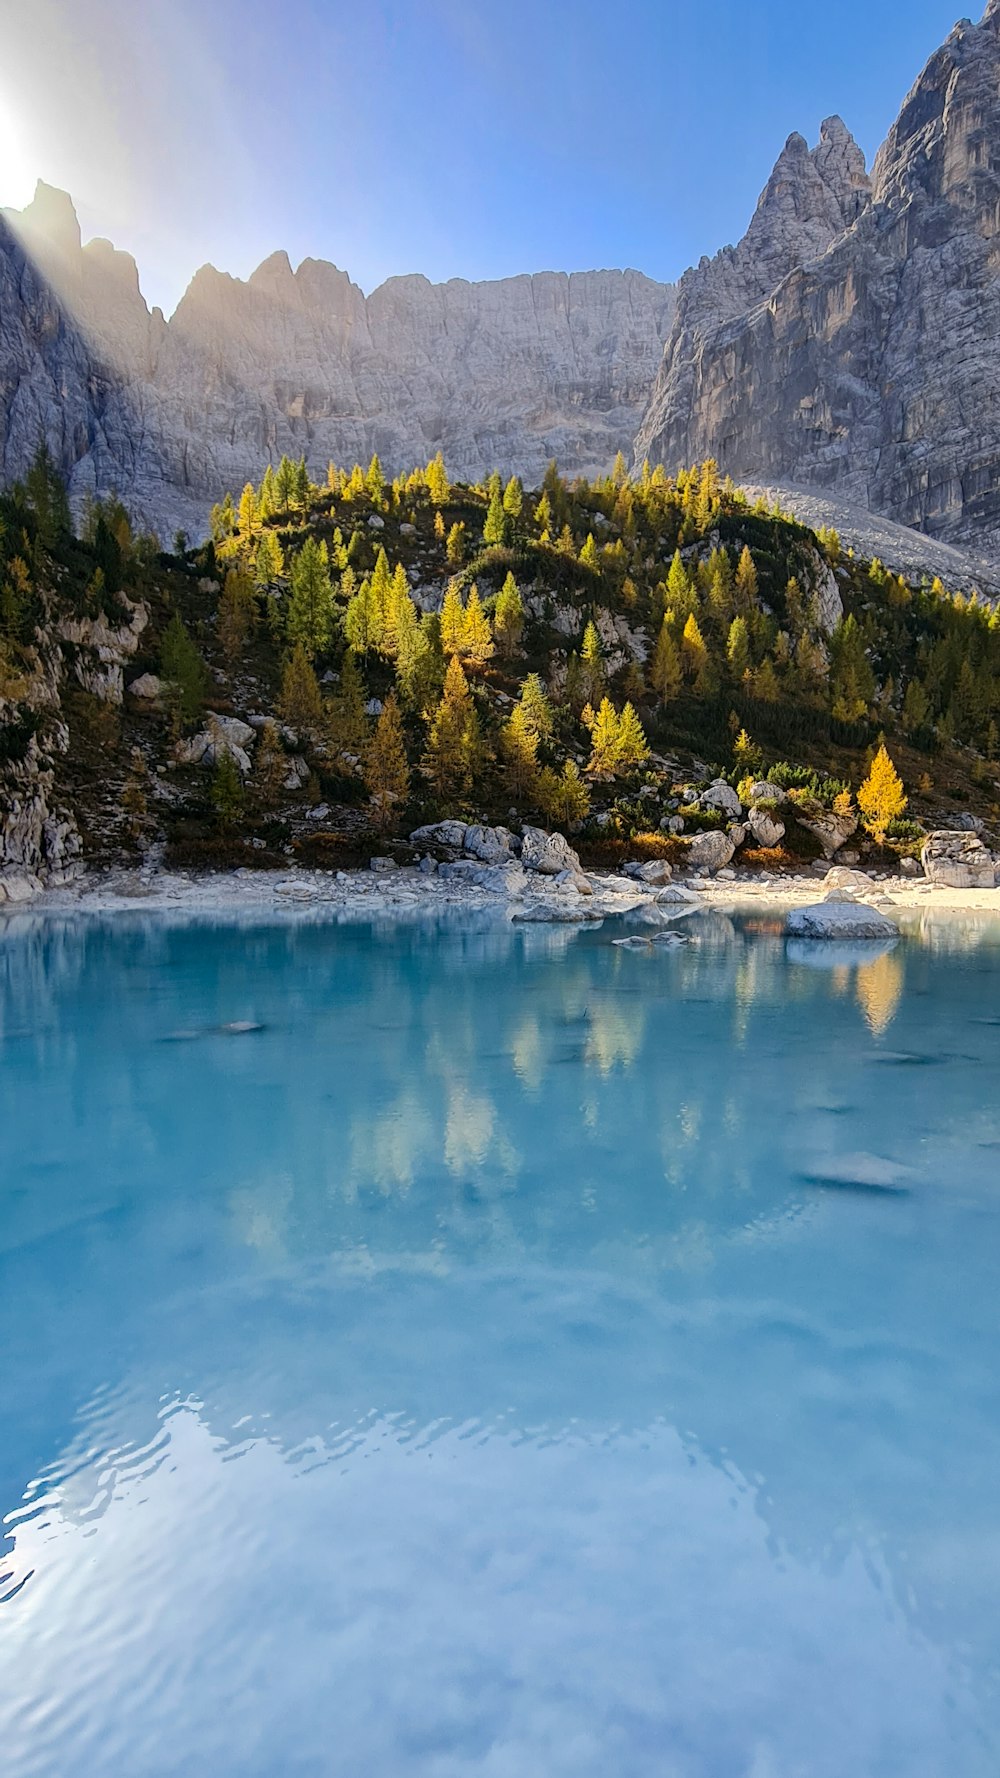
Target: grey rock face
(169, 414)
(958, 861)
(835, 919)
(849, 340)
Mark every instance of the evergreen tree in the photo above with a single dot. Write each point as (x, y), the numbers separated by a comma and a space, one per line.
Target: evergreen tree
(46, 495)
(284, 485)
(537, 709)
(301, 487)
(603, 762)
(592, 664)
(310, 617)
(455, 547)
(452, 621)
(267, 498)
(519, 754)
(385, 771)
(590, 555)
(746, 583)
(543, 517)
(477, 635)
(249, 515)
(852, 682)
(495, 529)
(738, 649)
(563, 799)
(375, 482)
(361, 624)
(301, 704)
(508, 620)
(665, 675)
(228, 796)
(454, 744)
(270, 768)
(438, 486)
(236, 613)
(881, 798)
(513, 498)
(632, 749)
(184, 671)
(347, 727)
(678, 586)
(694, 654)
(269, 562)
(439, 527)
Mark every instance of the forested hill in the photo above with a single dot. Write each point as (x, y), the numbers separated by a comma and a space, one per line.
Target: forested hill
(345, 660)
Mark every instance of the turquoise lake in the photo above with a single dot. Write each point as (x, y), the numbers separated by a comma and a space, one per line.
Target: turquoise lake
(518, 1356)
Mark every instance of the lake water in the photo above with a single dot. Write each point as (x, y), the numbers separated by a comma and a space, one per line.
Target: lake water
(520, 1356)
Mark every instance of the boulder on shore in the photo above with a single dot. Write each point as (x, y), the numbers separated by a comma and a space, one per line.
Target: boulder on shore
(547, 853)
(711, 851)
(958, 861)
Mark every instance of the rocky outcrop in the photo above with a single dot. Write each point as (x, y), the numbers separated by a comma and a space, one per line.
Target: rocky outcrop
(839, 918)
(958, 861)
(850, 339)
(168, 414)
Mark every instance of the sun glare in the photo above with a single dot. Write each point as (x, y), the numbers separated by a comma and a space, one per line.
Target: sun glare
(17, 174)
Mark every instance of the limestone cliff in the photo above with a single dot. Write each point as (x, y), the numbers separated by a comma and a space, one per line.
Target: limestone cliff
(504, 374)
(849, 341)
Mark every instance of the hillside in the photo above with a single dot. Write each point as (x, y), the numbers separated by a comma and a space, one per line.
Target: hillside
(346, 662)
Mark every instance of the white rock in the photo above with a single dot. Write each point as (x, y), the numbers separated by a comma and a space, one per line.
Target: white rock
(710, 851)
(722, 796)
(836, 919)
(958, 861)
(547, 853)
(656, 872)
(440, 833)
(766, 830)
(146, 686)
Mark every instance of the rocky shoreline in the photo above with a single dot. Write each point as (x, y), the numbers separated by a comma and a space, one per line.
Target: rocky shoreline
(401, 892)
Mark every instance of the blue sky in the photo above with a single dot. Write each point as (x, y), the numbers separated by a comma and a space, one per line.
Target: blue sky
(442, 137)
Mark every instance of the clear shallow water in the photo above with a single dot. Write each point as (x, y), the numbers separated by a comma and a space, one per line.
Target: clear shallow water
(508, 1361)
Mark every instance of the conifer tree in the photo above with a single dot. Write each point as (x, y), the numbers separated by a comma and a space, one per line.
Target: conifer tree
(678, 585)
(603, 762)
(563, 798)
(455, 547)
(746, 582)
(665, 675)
(852, 682)
(508, 622)
(184, 671)
(310, 616)
(590, 555)
(477, 636)
(269, 562)
(632, 748)
(438, 486)
(375, 481)
(543, 517)
(537, 709)
(228, 796)
(347, 724)
(738, 649)
(300, 485)
(519, 754)
(284, 485)
(236, 613)
(361, 623)
(46, 495)
(513, 498)
(592, 664)
(454, 746)
(385, 770)
(267, 498)
(694, 654)
(301, 704)
(452, 621)
(881, 798)
(439, 527)
(495, 528)
(249, 515)
(270, 767)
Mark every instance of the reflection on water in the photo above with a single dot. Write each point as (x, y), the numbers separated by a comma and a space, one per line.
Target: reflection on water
(521, 1354)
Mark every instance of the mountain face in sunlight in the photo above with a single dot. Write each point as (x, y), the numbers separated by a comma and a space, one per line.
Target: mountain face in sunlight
(167, 413)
